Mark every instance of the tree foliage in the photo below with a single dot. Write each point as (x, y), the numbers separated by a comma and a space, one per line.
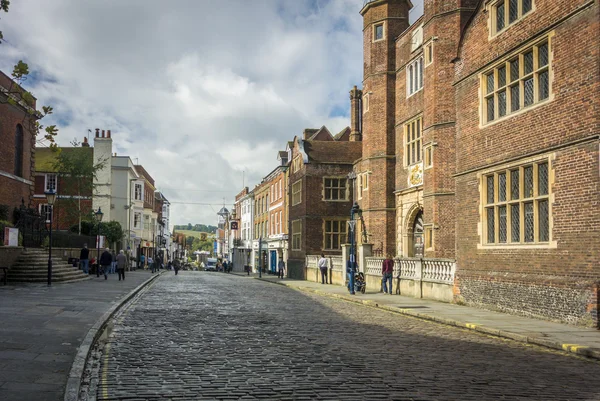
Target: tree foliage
(197, 227)
(113, 231)
(78, 173)
(17, 95)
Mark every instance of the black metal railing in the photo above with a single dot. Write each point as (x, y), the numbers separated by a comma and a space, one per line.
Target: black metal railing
(66, 239)
(32, 227)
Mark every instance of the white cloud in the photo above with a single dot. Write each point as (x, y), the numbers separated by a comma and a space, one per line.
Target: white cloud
(196, 91)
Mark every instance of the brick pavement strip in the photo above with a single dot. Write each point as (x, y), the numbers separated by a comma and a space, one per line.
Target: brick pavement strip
(213, 336)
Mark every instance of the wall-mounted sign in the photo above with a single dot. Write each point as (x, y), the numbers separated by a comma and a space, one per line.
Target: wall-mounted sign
(234, 225)
(11, 236)
(415, 175)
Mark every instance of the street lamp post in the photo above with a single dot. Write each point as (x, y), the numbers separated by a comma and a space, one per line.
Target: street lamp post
(99, 216)
(50, 198)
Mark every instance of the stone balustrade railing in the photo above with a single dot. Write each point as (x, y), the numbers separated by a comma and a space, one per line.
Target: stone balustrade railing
(336, 263)
(426, 269)
(439, 270)
(312, 261)
(408, 268)
(374, 266)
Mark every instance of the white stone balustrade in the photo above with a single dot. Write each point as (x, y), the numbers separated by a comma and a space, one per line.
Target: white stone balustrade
(312, 261)
(374, 266)
(439, 270)
(336, 263)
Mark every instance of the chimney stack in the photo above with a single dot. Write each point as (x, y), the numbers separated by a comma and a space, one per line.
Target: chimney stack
(103, 133)
(85, 143)
(108, 134)
(97, 132)
(355, 114)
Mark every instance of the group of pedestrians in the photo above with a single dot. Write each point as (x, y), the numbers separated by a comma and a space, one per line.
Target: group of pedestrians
(108, 263)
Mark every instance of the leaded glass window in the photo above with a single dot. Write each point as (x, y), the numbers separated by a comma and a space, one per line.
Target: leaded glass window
(501, 187)
(490, 225)
(502, 224)
(507, 12)
(524, 216)
(520, 82)
(412, 148)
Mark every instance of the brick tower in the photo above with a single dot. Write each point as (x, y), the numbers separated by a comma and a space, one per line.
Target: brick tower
(383, 21)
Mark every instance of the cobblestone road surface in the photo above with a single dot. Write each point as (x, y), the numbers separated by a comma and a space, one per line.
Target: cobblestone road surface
(216, 336)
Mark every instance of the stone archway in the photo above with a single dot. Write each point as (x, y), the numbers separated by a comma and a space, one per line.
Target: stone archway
(414, 232)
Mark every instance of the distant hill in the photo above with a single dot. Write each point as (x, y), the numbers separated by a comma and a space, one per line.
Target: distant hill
(195, 234)
(196, 227)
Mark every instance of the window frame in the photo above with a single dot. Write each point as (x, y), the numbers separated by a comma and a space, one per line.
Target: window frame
(296, 235)
(365, 102)
(46, 210)
(493, 74)
(139, 225)
(408, 141)
(427, 156)
(297, 192)
(493, 15)
(428, 53)
(375, 26)
(342, 224)
(297, 164)
(414, 76)
(19, 151)
(502, 209)
(46, 180)
(337, 188)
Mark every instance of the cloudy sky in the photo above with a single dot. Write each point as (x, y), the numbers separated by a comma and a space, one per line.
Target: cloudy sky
(203, 93)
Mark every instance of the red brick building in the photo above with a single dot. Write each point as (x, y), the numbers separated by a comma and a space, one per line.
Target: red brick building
(480, 137)
(319, 194)
(72, 196)
(17, 155)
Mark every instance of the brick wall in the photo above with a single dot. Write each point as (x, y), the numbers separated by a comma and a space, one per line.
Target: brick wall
(13, 190)
(556, 280)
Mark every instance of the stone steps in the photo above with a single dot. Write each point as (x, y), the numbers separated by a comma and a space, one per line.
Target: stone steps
(32, 267)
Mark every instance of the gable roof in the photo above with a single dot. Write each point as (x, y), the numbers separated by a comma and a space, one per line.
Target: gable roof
(343, 135)
(333, 151)
(322, 134)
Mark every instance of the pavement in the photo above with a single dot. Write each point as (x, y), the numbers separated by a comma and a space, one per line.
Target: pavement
(42, 329)
(578, 340)
(215, 336)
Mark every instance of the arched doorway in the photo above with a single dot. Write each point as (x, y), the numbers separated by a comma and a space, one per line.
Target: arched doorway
(417, 248)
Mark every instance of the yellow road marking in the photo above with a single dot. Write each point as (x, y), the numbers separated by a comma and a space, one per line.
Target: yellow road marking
(573, 347)
(105, 372)
(471, 325)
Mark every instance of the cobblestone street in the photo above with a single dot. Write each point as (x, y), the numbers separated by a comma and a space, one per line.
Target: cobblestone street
(217, 336)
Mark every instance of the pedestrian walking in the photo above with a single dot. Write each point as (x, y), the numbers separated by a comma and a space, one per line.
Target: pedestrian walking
(105, 262)
(113, 265)
(156, 264)
(176, 266)
(142, 261)
(280, 268)
(387, 272)
(323, 268)
(121, 264)
(151, 263)
(84, 256)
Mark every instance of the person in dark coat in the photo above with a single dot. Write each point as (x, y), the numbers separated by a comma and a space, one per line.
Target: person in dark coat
(121, 265)
(105, 262)
(84, 259)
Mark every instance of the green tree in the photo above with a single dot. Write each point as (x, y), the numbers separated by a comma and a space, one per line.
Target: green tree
(113, 231)
(77, 171)
(17, 95)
